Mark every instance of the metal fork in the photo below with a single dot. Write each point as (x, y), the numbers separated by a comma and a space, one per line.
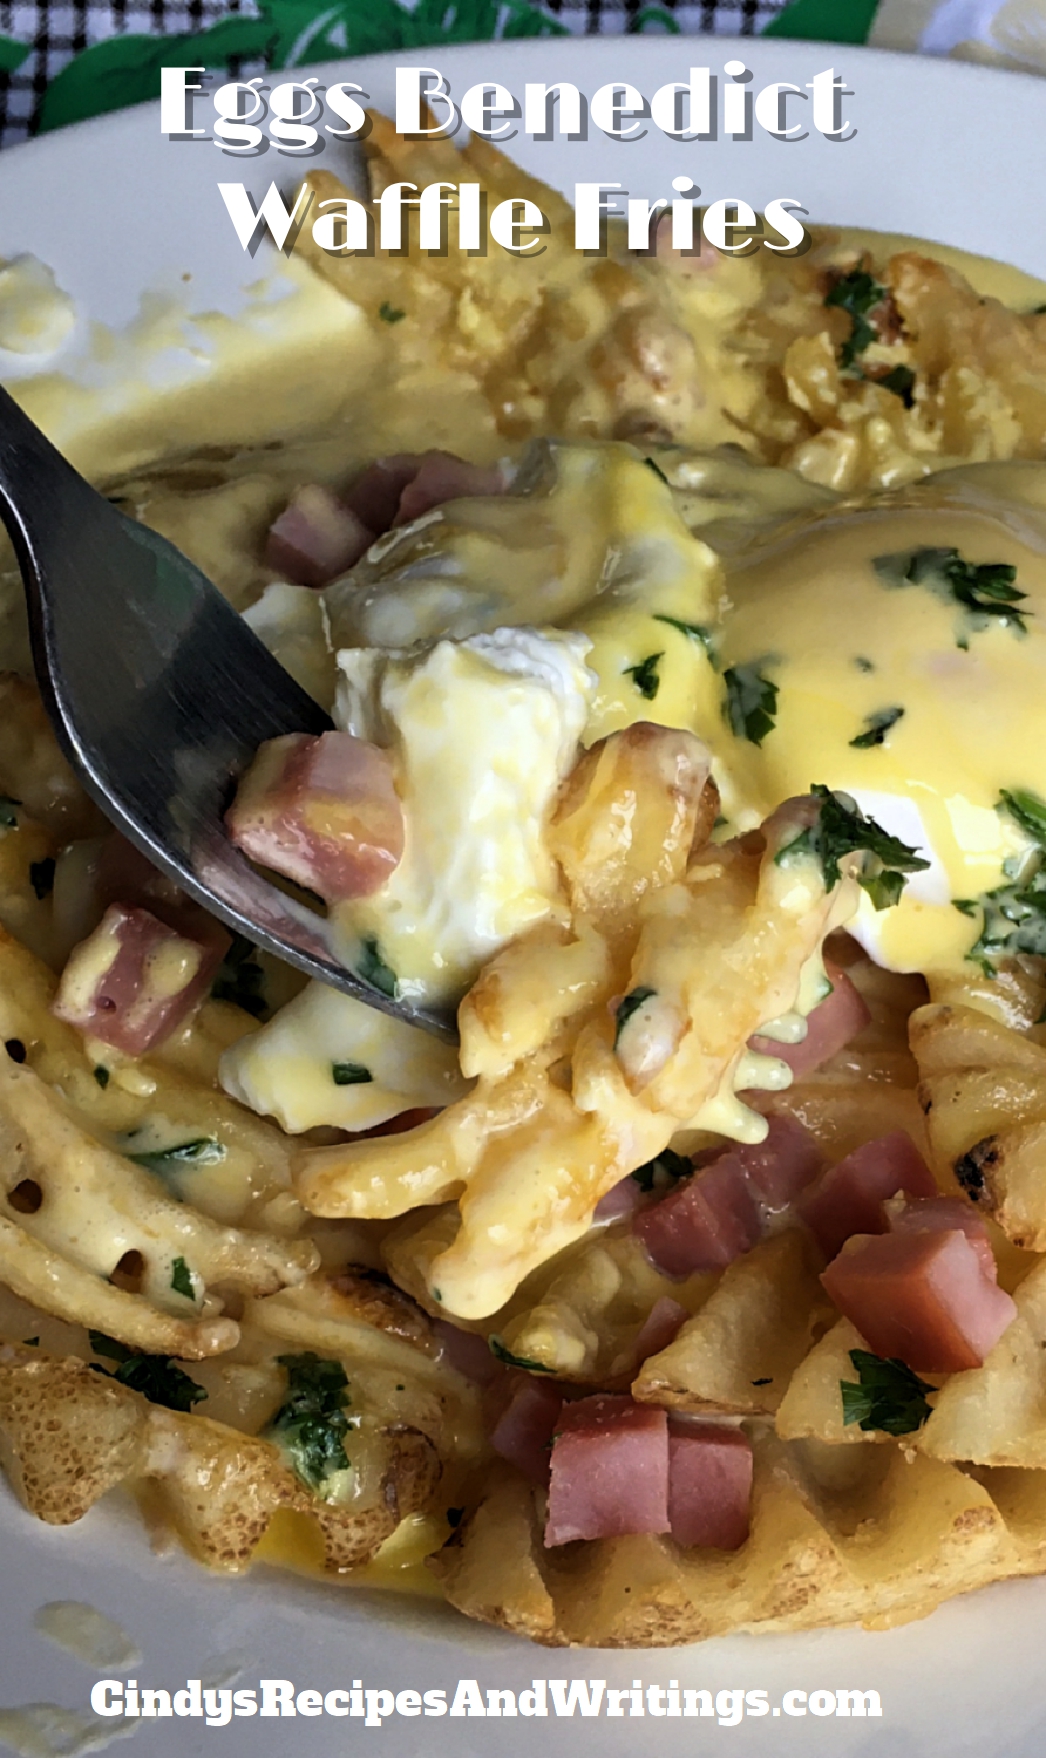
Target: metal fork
(159, 695)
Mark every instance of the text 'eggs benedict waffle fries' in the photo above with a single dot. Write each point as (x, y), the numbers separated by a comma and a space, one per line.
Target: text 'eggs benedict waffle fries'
(748, 652)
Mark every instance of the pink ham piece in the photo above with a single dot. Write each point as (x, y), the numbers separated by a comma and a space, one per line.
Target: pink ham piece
(829, 1028)
(709, 1486)
(718, 1214)
(523, 1432)
(323, 812)
(440, 477)
(609, 1470)
(943, 1214)
(849, 1198)
(619, 1202)
(661, 1327)
(316, 538)
(133, 980)
(920, 1296)
(469, 1353)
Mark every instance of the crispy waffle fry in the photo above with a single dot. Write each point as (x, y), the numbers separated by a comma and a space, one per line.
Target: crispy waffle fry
(68, 1435)
(878, 1549)
(738, 1355)
(73, 1212)
(983, 1090)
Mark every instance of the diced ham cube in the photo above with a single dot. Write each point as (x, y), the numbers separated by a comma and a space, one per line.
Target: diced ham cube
(922, 1297)
(393, 491)
(718, 1214)
(943, 1214)
(705, 1223)
(620, 1201)
(709, 1486)
(661, 1327)
(321, 811)
(133, 980)
(469, 1353)
(523, 1432)
(831, 1025)
(609, 1471)
(849, 1198)
(316, 537)
(782, 1165)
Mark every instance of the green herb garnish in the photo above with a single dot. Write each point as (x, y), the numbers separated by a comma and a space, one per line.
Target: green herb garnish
(8, 813)
(311, 1422)
(644, 675)
(653, 465)
(101, 1075)
(241, 979)
(901, 381)
(857, 294)
(842, 829)
(181, 1278)
(41, 877)
(667, 1167)
(627, 1006)
(31, 1343)
(699, 632)
(205, 1150)
(1013, 915)
(862, 663)
(390, 314)
(876, 726)
(498, 1349)
(888, 1396)
(371, 968)
(751, 703)
(983, 590)
(156, 1377)
(350, 1074)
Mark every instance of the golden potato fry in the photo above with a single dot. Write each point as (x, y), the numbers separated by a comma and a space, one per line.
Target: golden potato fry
(74, 1214)
(68, 1435)
(983, 1090)
(996, 1414)
(812, 1407)
(739, 1353)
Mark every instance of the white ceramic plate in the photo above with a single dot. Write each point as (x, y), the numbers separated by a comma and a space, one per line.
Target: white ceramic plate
(942, 151)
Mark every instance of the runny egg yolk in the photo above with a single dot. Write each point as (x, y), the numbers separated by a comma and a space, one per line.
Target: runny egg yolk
(893, 690)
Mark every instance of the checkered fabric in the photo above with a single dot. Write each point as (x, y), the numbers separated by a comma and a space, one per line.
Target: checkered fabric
(60, 29)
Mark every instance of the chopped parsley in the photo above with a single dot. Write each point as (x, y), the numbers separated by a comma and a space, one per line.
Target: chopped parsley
(652, 464)
(842, 829)
(901, 381)
(887, 1395)
(156, 1377)
(312, 1421)
(768, 1381)
(241, 979)
(101, 1075)
(205, 1150)
(8, 813)
(390, 314)
(876, 727)
(751, 703)
(627, 1006)
(984, 591)
(699, 632)
(371, 968)
(1013, 915)
(497, 1348)
(862, 663)
(41, 877)
(667, 1167)
(857, 294)
(31, 1343)
(644, 675)
(350, 1074)
(181, 1278)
